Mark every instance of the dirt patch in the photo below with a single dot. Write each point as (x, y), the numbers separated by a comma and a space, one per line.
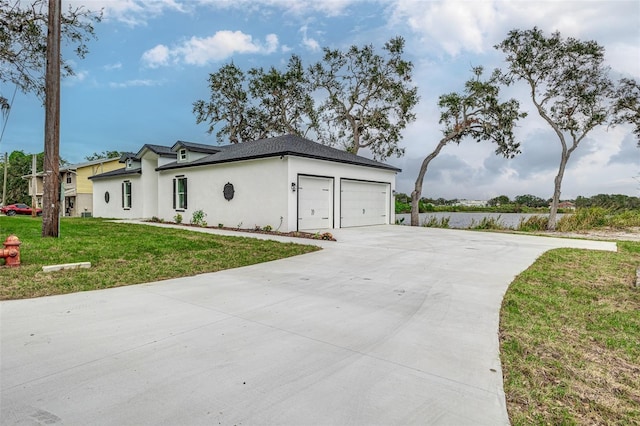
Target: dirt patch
(629, 234)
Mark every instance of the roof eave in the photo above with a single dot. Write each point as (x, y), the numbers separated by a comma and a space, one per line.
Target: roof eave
(275, 154)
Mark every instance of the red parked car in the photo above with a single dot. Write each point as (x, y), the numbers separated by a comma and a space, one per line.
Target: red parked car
(14, 209)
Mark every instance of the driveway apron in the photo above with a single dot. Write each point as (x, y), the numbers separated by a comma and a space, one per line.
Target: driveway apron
(389, 325)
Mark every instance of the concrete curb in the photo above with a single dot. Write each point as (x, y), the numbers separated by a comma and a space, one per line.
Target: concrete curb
(52, 268)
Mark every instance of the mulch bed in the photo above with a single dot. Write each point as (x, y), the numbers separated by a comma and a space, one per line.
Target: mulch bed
(326, 236)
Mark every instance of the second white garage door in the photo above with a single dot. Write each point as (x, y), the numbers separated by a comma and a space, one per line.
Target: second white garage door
(363, 203)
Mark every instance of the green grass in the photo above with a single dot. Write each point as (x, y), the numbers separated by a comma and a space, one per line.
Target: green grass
(122, 254)
(570, 339)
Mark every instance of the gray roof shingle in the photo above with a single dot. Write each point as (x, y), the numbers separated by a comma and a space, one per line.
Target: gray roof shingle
(118, 172)
(161, 150)
(198, 147)
(281, 145)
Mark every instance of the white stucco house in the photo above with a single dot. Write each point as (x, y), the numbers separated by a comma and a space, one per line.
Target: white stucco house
(288, 182)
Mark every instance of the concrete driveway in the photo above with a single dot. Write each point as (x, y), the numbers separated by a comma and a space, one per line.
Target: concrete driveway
(390, 325)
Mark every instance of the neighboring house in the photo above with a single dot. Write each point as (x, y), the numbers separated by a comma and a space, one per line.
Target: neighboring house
(472, 203)
(78, 188)
(288, 182)
(568, 205)
(127, 192)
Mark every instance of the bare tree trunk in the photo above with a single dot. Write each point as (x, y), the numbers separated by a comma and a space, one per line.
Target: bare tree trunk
(416, 194)
(51, 188)
(553, 208)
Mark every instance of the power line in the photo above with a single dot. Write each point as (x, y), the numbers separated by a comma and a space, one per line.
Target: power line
(6, 120)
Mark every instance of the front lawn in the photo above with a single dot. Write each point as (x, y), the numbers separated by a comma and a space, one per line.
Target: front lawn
(570, 339)
(122, 254)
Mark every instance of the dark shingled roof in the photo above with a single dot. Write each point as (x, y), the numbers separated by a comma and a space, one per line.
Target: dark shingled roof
(161, 150)
(126, 155)
(278, 146)
(119, 172)
(198, 147)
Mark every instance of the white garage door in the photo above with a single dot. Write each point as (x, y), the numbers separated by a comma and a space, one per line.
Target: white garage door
(363, 203)
(315, 203)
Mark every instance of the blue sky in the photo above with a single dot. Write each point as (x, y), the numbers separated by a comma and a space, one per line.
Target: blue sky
(151, 61)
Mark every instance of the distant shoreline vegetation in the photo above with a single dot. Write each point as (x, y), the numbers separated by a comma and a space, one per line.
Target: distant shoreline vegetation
(614, 203)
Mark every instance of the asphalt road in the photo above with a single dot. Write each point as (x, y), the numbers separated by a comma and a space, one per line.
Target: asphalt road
(390, 325)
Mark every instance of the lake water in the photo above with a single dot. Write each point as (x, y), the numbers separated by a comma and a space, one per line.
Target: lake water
(465, 219)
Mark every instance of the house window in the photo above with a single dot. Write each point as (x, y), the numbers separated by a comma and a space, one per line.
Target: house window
(129, 163)
(126, 194)
(180, 193)
(183, 154)
(68, 177)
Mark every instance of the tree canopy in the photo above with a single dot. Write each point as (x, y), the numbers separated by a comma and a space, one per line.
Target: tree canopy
(23, 42)
(257, 104)
(103, 155)
(569, 87)
(476, 113)
(626, 108)
(369, 98)
(364, 100)
(19, 165)
(498, 201)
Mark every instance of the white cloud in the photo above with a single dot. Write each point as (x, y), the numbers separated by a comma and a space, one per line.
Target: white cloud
(78, 77)
(329, 8)
(456, 26)
(135, 83)
(156, 57)
(308, 42)
(111, 67)
(131, 12)
(201, 51)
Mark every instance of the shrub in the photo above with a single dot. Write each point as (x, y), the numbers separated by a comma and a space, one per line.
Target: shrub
(583, 219)
(220, 225)
(198, 218)
(434, 222)
(533, 224)
(177, 218)
(425, 207)
(626, 219)
(267, 228)
(324, 236)
(487, 222)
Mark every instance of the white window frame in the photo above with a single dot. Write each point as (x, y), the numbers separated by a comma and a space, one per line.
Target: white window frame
(180, 199)
(126, 195)
(182, 154)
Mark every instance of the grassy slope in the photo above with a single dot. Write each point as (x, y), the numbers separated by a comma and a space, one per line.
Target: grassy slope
(122, 254)
(570, 339)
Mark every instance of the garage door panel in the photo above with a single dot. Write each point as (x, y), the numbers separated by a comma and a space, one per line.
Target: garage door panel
(315, 203)
(364, 203)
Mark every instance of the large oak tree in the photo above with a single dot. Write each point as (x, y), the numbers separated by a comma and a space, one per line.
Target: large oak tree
(257, 104)
(569, 87)
(476, 113)
(626, 108)
(364, 100)
(368, 98)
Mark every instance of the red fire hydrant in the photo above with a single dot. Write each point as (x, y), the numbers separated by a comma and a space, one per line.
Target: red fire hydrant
(11, 251)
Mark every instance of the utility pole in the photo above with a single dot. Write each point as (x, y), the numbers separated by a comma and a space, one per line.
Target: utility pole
(34, 185)
(51, 170)
(4, 185)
